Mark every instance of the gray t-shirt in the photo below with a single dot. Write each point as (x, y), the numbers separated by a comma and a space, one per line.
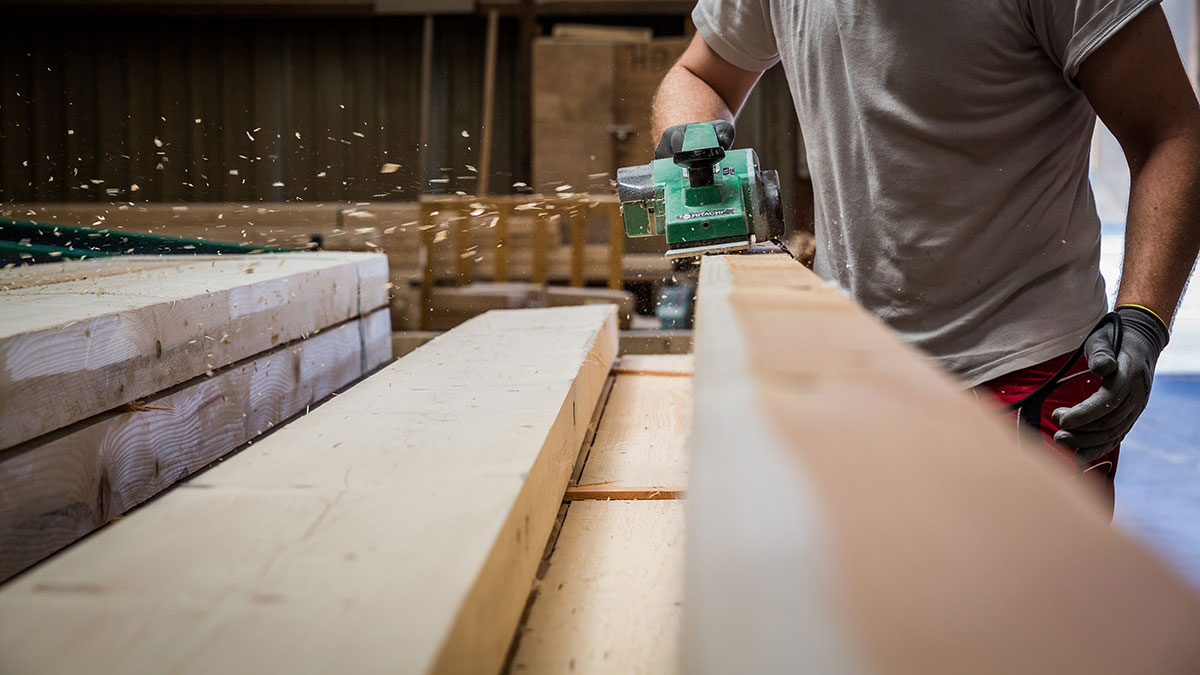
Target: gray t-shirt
(948, 146)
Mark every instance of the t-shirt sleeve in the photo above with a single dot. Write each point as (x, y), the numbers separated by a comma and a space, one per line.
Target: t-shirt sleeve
(1070, 30)
(739, 31)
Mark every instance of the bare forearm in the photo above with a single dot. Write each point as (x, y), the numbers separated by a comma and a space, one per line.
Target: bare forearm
(683, 98)
(1162, 232)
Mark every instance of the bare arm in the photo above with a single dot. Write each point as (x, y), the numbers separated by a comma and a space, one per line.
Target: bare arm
(1138, 87)
(701, 87)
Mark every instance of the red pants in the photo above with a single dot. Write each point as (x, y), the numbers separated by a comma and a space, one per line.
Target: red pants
(1012, 387)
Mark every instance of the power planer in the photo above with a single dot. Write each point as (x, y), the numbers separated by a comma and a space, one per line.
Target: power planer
(704, 199)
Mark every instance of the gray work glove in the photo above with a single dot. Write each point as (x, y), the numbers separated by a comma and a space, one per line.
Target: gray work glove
(1098, 424)
(672, 139)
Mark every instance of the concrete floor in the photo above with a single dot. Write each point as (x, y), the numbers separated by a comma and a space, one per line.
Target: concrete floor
(1158, 478)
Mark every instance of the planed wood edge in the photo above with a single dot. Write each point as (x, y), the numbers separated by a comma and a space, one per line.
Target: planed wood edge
(601, 492)
(839, 523)
(589, 438)
(488, 618)
(56, 489)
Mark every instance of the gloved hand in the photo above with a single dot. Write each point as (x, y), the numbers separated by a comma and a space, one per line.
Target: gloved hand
(1098, 424)
(672, 139)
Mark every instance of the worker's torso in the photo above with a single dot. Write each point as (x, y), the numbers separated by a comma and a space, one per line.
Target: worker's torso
(949, 157)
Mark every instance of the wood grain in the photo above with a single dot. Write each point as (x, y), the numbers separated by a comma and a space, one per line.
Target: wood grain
(611, 600)
(343, 542)
(55, 489)
(852, 510)
(642, 438)
(593, 492)
(74, 349)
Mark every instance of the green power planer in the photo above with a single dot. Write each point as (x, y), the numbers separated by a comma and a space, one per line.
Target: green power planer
(704, 199)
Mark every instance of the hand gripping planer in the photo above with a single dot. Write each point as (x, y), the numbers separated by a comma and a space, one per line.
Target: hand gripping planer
(704, 199)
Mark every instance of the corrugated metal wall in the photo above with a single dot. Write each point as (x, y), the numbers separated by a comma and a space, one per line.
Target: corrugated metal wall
(265, 109)
(232, 109)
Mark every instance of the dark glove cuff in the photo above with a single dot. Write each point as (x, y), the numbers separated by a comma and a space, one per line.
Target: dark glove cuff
(1146, 323)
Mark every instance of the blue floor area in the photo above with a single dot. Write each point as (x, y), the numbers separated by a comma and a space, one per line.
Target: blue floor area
(1158, 478)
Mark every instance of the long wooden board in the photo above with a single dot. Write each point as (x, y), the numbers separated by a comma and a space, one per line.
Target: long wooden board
(396, 528)
(57, 488)
(853, 511)
(611, 599)
(640, 448)
(74, 349)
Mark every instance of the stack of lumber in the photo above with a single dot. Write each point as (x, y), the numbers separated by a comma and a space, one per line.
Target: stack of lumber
(121, 376)
(584, 128)
(853, 510)
(398, 527)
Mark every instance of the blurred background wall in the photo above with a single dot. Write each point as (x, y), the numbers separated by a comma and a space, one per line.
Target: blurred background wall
(240, 101)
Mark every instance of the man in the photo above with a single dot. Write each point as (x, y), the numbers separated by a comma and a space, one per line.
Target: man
(948, 143)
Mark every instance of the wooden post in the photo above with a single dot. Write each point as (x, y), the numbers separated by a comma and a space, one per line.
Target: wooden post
(489, 96)
(540, 224)
(462, 240)
(579, 214)
(504, 212)
(427, 279)
(616, 246)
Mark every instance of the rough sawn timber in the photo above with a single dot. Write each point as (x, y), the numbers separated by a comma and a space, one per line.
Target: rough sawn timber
(56, 488)
(395, 529)
(73, 349)
(610, 601)
(853, 510)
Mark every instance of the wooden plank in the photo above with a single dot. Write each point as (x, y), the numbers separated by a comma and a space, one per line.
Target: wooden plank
(578, 220)
(656, 342)
(489, 101)
(461, 223)
(540, 245)
(71, 350)
(633, 342)
(610, 601)
(665, 365)
(588, 492)
(642, 438)
(501, 252)
(616, 246)
(26, 276)
(342, 542)
(407, 341)
(853, 510)
(57, 488)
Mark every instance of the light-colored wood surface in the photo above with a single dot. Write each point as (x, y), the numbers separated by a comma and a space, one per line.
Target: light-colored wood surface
(73, 349)
(577, 493)
(633, 342)
(656, 364)
(396, 528)
(852, 510)
(642, 438)
(55, 489)
(42, 274)
(611, 599)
